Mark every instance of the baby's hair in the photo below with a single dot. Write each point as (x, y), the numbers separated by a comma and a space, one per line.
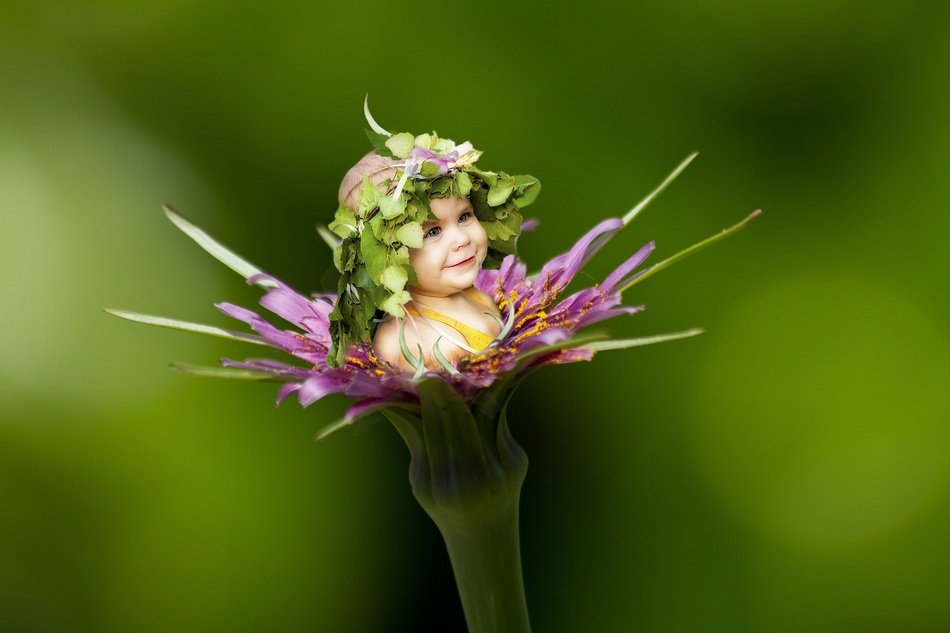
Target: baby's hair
(375, 167)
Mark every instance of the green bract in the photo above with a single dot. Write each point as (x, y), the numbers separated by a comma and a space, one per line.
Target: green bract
(373, 254)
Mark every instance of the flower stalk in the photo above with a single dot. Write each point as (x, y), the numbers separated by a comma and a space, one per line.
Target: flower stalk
(466, 473)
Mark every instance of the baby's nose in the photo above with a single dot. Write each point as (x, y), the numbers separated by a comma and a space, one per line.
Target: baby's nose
(460, 237)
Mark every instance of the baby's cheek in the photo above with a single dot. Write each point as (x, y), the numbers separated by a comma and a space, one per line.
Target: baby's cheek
(481, 237)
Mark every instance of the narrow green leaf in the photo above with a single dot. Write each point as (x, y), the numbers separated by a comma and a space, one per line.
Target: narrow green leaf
(185, 326)
(216, 250)
(508, 323)
(343, 422)
(421, 367)
(328, 237)
(418, 365)
(601, 346)
(577, 341)
(233, 373)
(376, 127)
(442, 360)
(695, 248)
(333, 428)
(632, 213)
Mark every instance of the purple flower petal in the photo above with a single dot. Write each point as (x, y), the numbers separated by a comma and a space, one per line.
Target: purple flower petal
(561, 269)
(614, 278)
(286, 390)
(530, 225)
(596, 316)
(317, 386)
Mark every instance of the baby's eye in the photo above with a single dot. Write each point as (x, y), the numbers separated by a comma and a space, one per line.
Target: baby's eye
(433, 232)
(465, 217)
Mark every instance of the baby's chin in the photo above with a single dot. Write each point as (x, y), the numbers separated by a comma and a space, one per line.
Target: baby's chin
(464, 278)
(447, 287)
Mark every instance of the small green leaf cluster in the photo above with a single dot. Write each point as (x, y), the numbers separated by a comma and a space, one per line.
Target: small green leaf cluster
(373, 255)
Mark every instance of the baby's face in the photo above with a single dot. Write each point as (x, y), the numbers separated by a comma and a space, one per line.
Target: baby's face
(453, 249)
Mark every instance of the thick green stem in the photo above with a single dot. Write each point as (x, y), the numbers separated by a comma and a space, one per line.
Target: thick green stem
(466, 473)
(486, 560)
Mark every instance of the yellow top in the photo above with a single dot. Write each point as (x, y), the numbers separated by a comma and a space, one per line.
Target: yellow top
(475, 338)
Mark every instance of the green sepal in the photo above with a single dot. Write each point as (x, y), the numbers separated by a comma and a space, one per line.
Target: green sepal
(507, 324)
(457, 467)
(441, 359)
(417, 364)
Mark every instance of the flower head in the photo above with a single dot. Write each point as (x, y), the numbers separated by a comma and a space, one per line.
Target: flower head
(540, 326)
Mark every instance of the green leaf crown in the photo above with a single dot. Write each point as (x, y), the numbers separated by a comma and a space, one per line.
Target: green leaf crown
(373, 254)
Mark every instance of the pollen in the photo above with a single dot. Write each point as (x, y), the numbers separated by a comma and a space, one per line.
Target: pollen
(535, 329)
(540, 314)
(356, 361)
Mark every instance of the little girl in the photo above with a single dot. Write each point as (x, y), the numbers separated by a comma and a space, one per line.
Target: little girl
(437, 309)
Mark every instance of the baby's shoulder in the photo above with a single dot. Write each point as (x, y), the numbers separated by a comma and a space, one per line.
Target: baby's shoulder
(386, 338)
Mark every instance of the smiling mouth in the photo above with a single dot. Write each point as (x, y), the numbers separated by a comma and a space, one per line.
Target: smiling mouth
(463, 262)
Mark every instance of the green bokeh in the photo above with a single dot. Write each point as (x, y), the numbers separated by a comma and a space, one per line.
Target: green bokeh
(786, 471)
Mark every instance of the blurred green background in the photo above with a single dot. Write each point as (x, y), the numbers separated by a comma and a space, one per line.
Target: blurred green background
(786, 471)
